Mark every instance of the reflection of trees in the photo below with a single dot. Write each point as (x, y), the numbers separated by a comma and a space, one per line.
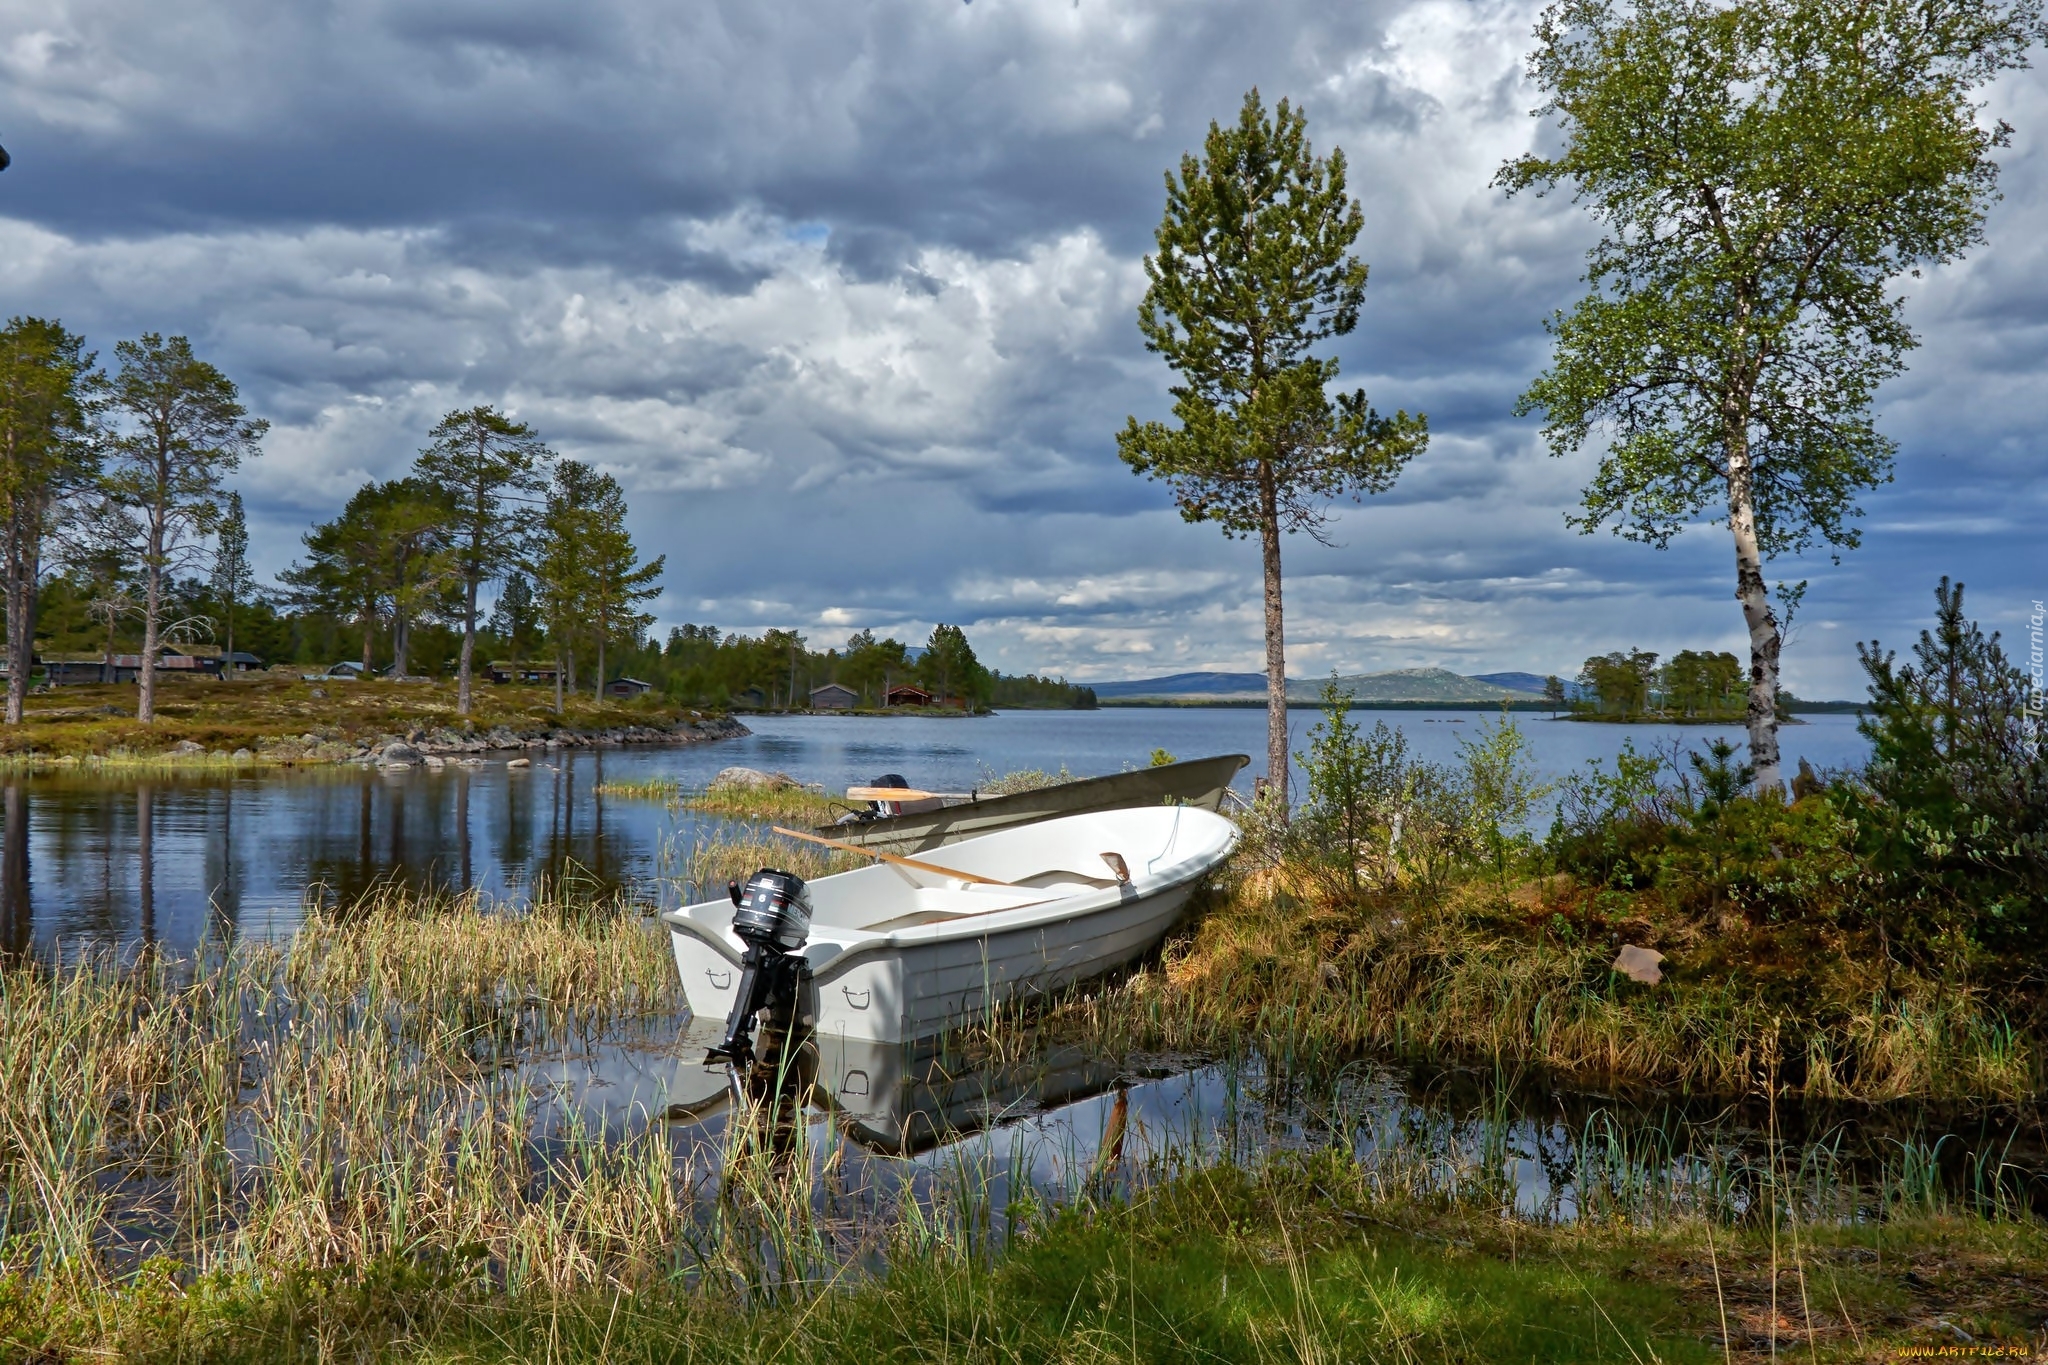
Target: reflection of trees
(17, 923)
(122, 858)
(145, 847)
(224, 888)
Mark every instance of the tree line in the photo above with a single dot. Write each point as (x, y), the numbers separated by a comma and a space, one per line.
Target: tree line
(779, 670)
(118, 524)
(116, 482)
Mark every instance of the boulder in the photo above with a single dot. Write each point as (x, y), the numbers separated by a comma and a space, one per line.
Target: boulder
(188, 747)
(244, 756)
(436, 761)
(519, 763)
(1640, 964)
(753, 779)
(399, 754)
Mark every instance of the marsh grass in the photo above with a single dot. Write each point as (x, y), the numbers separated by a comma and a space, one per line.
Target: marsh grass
(664, 789)
(803, 806)
(332, 1149)
(1273, 962)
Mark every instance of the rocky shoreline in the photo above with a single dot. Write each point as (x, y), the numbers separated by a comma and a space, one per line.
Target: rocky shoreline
(437, 746)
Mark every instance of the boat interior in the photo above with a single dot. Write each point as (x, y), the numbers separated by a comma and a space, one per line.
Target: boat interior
(1054, 861)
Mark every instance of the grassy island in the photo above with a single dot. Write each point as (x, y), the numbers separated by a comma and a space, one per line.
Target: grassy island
(284, 718)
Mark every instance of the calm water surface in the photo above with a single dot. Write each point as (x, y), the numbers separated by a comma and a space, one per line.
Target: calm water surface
(171, 860)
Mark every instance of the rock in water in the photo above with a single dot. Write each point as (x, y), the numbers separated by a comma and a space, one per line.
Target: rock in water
(1640, 964)
(399, 754)
(188, 746)
(519, 763)
(753, 778)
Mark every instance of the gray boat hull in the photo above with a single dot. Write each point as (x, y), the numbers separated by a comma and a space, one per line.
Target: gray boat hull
(1196, 782)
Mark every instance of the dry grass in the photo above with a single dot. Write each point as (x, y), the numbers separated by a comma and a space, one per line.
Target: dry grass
(97, 722)
(352, 1096)
(1277, 966)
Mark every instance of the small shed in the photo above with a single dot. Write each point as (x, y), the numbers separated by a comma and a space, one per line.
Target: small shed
(903, 694)
(348, 668)
(627, 687)
(68, 669)
(242, 661)
(752, 697)
(834, 697)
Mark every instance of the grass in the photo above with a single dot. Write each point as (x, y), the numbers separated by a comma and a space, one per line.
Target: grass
(331, 1149)
(1494, 976)
(271, 715)
(795, 805)
(1300, 1261)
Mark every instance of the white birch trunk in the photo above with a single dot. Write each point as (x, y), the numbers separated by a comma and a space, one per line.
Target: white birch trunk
(1764, 640)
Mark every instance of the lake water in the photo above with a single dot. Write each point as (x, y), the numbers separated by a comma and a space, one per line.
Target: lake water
(88, 858)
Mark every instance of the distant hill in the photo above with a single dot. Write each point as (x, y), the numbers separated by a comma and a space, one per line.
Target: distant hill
(1187, 685)
(1400, 685)
(1412, 684)
(1525, 682)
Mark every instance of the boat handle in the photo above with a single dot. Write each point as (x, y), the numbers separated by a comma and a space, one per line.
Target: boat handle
(856, 1083)
(719, 980)
(859, 1002)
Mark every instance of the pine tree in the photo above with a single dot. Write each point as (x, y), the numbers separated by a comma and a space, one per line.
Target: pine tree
(182, 427)
(1253, 269)
(491, 470)
(231, 568)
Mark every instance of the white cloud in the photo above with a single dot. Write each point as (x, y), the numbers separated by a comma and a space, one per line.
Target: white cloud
(844, 295)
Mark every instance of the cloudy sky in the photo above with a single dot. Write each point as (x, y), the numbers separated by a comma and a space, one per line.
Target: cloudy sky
(844, 294)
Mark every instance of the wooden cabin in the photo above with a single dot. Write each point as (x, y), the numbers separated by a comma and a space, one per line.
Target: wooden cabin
(505, 671)
(834, 697)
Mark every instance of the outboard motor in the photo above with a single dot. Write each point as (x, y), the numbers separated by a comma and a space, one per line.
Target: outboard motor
(881, 810)
(772, 916)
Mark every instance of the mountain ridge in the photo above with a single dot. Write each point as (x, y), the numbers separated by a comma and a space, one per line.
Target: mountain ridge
(1392, 685)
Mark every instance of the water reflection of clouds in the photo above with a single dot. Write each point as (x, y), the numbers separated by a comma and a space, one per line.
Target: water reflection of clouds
(174, 860)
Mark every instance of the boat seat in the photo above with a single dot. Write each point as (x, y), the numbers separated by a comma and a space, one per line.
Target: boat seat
(1060, 876)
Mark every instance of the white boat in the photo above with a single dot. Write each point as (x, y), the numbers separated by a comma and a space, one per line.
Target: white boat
(898, 953)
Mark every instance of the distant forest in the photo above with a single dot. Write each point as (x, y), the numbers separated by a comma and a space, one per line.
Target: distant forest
(694, 665)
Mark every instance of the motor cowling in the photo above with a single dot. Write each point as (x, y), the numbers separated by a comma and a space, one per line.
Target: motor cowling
(772, 917)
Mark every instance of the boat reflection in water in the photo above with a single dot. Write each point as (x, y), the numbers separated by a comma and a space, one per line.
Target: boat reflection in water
(907, 1098)
(894, 1099)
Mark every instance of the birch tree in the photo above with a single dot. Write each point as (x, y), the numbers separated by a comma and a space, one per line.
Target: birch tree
(1254, 267)
(1763, 174)
(182, 427)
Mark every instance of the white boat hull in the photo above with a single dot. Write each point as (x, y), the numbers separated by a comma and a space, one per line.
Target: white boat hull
(878, 978)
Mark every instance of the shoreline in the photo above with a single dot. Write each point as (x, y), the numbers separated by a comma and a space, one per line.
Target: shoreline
(416, 747)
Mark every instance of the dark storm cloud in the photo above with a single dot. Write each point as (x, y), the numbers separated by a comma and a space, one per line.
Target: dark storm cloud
(866, 275)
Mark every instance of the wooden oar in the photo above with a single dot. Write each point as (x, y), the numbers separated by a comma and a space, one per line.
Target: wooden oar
(919, 864)
(903, 794)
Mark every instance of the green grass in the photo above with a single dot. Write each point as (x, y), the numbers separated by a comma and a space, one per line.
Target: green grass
(1301, 1262)
(801, 807)
(663, 789)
